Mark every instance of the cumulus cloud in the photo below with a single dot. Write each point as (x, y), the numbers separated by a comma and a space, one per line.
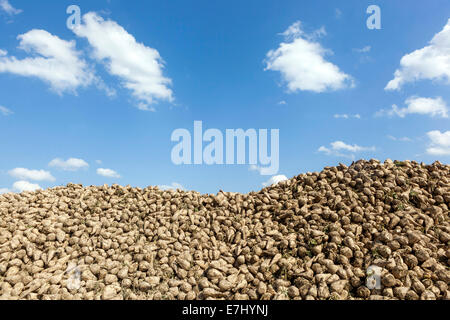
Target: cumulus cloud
(8, 8)
(5, 111)
(301, 62)
(139, 67)
(35, 175)
(72, 164)
(4, 190)
(173, 186)
(429, 63)
(107, 173)
(51, 59)
(440, 143)
(22, 186)
(295, 31)
(275, 180)
(338, 147)
(434, 107)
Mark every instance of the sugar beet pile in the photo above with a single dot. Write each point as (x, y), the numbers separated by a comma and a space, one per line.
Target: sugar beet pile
(312, 237)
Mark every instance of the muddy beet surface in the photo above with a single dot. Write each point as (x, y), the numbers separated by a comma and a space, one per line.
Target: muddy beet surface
(369, 231)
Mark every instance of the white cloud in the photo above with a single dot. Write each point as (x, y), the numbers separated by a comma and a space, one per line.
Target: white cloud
(145, 107)
(71, 164)
(275, 180)
(173, 186)
(98, 161)
(5, 111)
(347, 116)
(107, 173)
(339, 145)
(440, 143)
(300, 60)
(431, 62)
(51, 59)
(365, 49)
(319, 33)
(417, 105)
(4, 190)
(402, 139)
(282, 103)
(8, 8)
(336, 148)
(295, 31)
(337, 13)
(139, 67)
(21, 186)
(35, 175)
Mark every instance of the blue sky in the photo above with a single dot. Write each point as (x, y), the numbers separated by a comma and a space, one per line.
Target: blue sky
(114, 89)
